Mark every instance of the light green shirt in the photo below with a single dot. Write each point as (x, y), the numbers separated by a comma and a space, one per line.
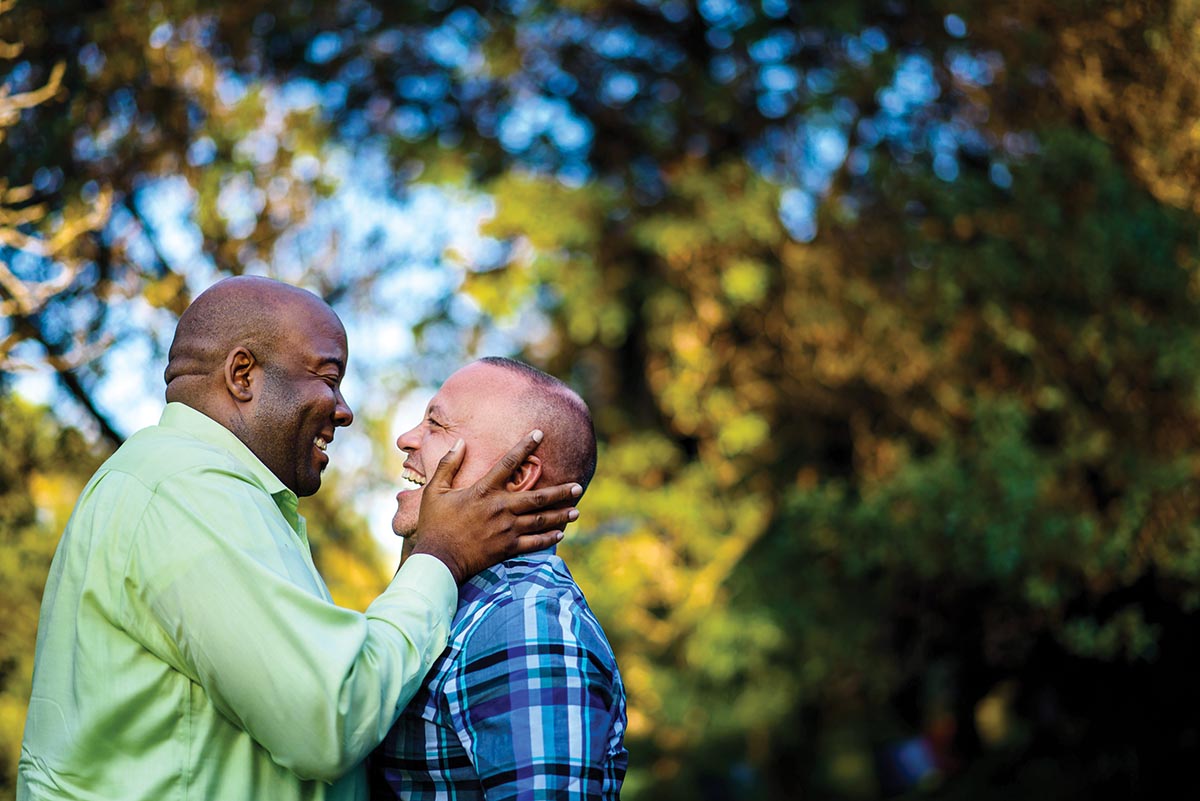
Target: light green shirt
(188, 649)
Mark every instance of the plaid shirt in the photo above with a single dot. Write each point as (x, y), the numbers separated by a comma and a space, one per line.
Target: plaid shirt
(526, 702)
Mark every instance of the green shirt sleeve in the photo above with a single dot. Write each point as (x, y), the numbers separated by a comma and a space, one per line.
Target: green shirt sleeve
(220, 587)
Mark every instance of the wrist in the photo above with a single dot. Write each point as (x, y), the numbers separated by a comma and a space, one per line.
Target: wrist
(444, 556)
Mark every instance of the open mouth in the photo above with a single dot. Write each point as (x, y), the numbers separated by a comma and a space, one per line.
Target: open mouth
(321, 443)
(412, 477)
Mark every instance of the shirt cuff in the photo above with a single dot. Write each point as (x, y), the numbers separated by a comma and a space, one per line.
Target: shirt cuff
(429, 576)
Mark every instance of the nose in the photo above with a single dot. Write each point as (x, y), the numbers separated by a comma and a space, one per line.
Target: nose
(409, 440)
(342, 414)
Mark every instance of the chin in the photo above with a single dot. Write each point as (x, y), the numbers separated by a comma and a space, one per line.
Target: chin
(408, 512)
(402, 527)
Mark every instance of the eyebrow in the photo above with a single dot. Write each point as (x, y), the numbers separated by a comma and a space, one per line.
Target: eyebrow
(336, 362)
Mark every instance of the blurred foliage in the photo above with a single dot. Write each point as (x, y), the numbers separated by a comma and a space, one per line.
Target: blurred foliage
(886, 310)
(44, 469)
(39, 250)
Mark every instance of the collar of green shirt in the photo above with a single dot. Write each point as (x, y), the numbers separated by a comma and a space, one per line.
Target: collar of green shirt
(184, 418)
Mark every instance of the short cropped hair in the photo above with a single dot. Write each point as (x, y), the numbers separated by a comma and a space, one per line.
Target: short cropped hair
(569, 450)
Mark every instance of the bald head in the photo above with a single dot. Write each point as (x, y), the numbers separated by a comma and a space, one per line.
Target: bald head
(257, 313)
(569, 450)
(265, 360)
(490, 404)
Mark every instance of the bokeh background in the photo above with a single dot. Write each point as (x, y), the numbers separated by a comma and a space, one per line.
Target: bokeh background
(887, 311)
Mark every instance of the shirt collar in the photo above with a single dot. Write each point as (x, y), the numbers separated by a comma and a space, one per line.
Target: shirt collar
(182, 417)
(487, 583)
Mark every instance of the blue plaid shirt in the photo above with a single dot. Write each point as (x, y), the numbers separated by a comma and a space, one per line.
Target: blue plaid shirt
(526, 702)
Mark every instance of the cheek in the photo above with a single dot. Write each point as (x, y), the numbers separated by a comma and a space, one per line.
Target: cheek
(477, 461)
(433, 448)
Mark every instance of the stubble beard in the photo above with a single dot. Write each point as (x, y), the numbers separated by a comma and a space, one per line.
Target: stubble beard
(404, 522)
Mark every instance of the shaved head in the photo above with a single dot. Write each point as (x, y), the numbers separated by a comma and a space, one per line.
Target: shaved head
(256, 313)
(489, 404)
(569, 449)
(266, 360)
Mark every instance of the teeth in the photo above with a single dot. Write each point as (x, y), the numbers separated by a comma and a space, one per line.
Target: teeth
(320, 443)
(413, 476)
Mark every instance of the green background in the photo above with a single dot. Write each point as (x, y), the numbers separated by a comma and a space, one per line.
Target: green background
(887, 312)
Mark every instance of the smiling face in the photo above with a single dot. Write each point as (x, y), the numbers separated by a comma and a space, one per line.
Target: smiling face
(298, 402)
(479, 403)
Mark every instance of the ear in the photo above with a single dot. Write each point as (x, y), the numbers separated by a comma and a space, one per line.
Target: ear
(526, 475)
(239, 369)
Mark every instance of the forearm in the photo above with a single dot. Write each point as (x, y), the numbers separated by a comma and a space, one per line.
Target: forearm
(404, 630)
(316, 685)
(407, 627)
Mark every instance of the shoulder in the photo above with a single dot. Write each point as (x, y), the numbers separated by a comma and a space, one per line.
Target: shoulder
(168, 496)
(514, 592)
(533, 607)
(537, 646)
(159, 457)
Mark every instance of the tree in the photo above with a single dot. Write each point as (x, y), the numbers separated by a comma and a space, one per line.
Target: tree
(34, 269)
(886, 312)
(65, 264)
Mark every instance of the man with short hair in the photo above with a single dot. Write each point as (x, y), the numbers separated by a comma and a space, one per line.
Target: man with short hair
(187, 646)
(527, 701)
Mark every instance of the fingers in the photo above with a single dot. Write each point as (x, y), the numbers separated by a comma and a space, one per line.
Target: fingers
(528, 543)
(447, 468)
(509, 462)
(531, 500)
(544, 520)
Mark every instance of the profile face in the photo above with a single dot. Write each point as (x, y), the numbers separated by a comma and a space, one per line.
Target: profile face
(299, 403)
(477, 404)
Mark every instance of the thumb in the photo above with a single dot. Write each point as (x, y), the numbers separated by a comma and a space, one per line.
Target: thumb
(447, 469)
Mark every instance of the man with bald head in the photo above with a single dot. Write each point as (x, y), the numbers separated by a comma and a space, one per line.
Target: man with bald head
(527, 701)
(187, 646)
